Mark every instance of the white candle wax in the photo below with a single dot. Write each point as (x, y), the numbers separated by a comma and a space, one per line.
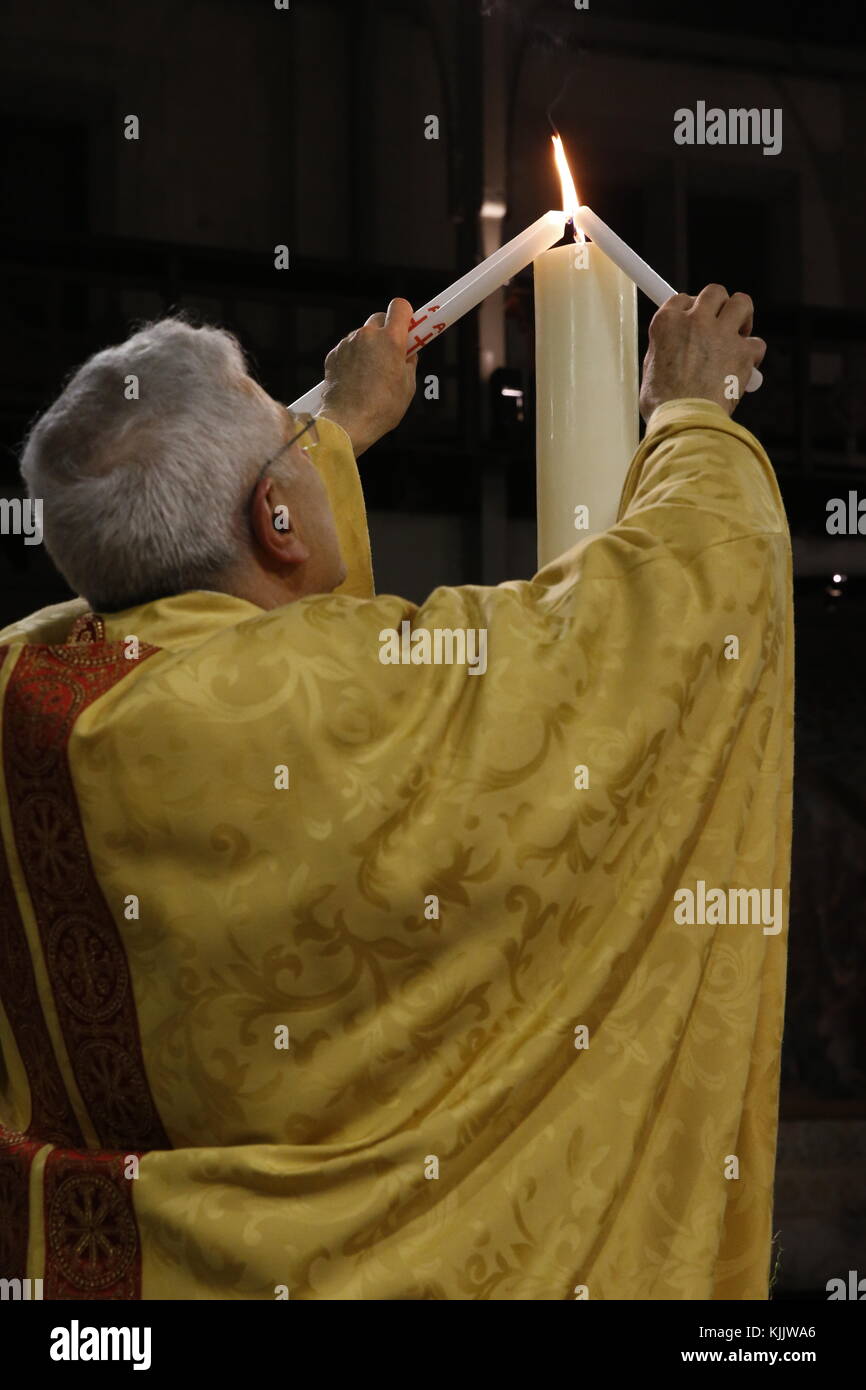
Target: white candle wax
(465, 293)
(586, 393)
(646, 279)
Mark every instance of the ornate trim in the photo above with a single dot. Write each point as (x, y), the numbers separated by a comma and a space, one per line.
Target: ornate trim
(84, 953)
(52, 1117)
(92, 1241)
(88, 627)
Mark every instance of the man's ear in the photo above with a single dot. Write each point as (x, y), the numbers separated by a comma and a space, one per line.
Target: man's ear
(275, 535)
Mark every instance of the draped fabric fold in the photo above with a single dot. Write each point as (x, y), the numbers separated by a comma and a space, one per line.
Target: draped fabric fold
(329, 976)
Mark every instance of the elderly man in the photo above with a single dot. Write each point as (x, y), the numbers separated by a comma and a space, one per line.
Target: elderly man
(331, 972)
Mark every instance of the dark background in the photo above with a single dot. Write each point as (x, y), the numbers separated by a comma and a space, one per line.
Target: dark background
(306, 127)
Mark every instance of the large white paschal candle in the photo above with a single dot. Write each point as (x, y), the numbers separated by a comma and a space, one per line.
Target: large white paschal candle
(586, 386)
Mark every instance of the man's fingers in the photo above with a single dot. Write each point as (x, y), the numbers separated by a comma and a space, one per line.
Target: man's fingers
(677, 304)
(759, 348)
(397, 320)
(678, 301)
(711, 300)
(739, 312)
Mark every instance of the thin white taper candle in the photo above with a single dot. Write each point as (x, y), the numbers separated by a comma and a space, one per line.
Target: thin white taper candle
(646, 279)
(465, 293)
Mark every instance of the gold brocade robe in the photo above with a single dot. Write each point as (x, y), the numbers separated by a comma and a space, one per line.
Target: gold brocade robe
(426, 1022)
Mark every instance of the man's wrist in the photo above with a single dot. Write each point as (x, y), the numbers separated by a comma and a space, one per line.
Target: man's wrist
(351, 425)
(660, 412)
(684, 399)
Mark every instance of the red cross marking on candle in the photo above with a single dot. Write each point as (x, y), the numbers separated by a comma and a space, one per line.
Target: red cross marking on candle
(416, 323)
(421, 342)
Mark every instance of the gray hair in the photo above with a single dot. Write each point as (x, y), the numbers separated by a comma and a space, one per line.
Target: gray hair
(145, 497)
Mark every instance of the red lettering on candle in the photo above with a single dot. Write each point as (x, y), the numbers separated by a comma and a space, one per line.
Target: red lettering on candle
(416, 323)
(422, 342)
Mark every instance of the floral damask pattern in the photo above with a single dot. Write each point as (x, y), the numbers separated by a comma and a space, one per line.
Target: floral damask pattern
(433, 1127)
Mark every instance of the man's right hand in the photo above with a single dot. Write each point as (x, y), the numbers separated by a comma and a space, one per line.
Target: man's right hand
(369, 382)
(696, 345)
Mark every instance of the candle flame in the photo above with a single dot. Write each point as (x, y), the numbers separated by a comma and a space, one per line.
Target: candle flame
(570, 200)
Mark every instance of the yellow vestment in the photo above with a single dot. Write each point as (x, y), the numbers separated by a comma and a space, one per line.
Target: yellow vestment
(379, 967)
